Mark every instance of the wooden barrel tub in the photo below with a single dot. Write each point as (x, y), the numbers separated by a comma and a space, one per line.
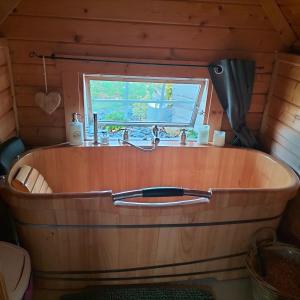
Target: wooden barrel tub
(88, 231)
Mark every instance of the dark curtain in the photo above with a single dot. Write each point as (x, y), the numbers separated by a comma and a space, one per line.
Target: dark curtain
(233, 81)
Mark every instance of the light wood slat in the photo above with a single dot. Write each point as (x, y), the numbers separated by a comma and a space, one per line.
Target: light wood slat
(279, 22)
(289, 70)
(44, 187)
(20, 50)
(61, 30)
(287, 89)
(38, 184)
(43, 136)
(5, 102)
(23, 174)
(33, 116)
(31, 179)
(284, 135)
(7, 125)
(154, 11)
(2, 56)
(285, 112)
(49, 190)
(285, 155)
(4, 78)
(289, 58)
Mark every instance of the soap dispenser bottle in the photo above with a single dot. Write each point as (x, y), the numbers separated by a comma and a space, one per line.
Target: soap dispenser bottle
(75, 130)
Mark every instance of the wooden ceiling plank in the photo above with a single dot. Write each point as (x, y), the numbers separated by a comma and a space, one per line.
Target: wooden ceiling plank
(6, 7)
(279, 21)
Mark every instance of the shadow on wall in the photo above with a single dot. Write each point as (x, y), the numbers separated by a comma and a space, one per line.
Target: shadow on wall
(289, 229)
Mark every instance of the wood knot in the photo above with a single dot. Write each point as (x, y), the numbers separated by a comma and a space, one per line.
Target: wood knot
(77, 38)
(220, 7)
(85, 10)
(144, 35)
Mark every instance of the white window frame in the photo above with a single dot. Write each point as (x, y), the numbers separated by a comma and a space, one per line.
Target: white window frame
(203, 82)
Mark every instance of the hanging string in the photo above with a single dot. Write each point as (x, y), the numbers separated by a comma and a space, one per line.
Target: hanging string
(45, 74)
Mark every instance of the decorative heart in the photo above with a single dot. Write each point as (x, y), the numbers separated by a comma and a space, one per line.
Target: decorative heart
(48, 102)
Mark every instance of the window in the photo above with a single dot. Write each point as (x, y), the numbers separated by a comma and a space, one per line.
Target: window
(139, 103)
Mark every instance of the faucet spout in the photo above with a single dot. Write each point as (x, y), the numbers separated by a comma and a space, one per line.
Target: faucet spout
(142, 148)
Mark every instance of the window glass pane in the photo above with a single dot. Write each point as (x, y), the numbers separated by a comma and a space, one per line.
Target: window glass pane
(138, 101)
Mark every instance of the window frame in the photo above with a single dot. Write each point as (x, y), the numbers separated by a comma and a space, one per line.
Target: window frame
(72, 83)
(88, 108)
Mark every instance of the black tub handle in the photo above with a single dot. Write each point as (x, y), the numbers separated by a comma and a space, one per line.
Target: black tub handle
(119, 199)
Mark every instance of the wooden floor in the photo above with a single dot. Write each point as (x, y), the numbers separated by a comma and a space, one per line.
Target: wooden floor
(223, 290)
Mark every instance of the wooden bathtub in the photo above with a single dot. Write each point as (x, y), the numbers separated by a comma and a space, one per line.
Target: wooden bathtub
(78, 237)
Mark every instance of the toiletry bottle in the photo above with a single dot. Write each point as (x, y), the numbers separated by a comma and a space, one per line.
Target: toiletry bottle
(75, 130)
(183, 137)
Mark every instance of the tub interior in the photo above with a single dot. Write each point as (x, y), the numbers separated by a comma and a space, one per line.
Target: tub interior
(85, 169)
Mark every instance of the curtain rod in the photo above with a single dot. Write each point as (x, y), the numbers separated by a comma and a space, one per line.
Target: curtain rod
(218, 68)
(54, 56)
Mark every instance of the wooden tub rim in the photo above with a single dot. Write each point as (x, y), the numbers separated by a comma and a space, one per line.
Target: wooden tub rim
(294, 178)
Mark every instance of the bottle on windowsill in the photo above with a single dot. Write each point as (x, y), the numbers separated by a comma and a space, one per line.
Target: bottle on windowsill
(75, 130)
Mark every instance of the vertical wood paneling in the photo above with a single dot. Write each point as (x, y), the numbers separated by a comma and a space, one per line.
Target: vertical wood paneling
(173, 30)
(280, 131)
(7, 114)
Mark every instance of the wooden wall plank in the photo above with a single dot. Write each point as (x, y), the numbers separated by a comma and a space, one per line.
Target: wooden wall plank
(25, 95)
(5, 102)
(2, 57)
(43, 136)
(284, 154)
(33, 116)
(279, 22)
(32, 75)
(6, 7)
(287, 89)
(280, 131)
(132, 34)
(275, 130)
(285, 112)
(155, 11)
(4, 78)
(20, 53)
(7, 125)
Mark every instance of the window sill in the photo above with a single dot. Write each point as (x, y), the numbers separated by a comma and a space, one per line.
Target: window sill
(191, 144)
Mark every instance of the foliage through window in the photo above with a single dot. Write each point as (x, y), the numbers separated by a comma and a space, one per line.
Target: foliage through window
(138, 103)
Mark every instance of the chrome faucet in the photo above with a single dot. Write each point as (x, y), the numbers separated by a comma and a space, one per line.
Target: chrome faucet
(95, 129)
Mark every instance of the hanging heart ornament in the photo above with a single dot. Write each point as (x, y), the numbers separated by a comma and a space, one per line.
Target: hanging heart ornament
(48, 102)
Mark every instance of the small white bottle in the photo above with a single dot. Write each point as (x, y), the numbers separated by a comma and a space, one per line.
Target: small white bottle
(75, 130)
